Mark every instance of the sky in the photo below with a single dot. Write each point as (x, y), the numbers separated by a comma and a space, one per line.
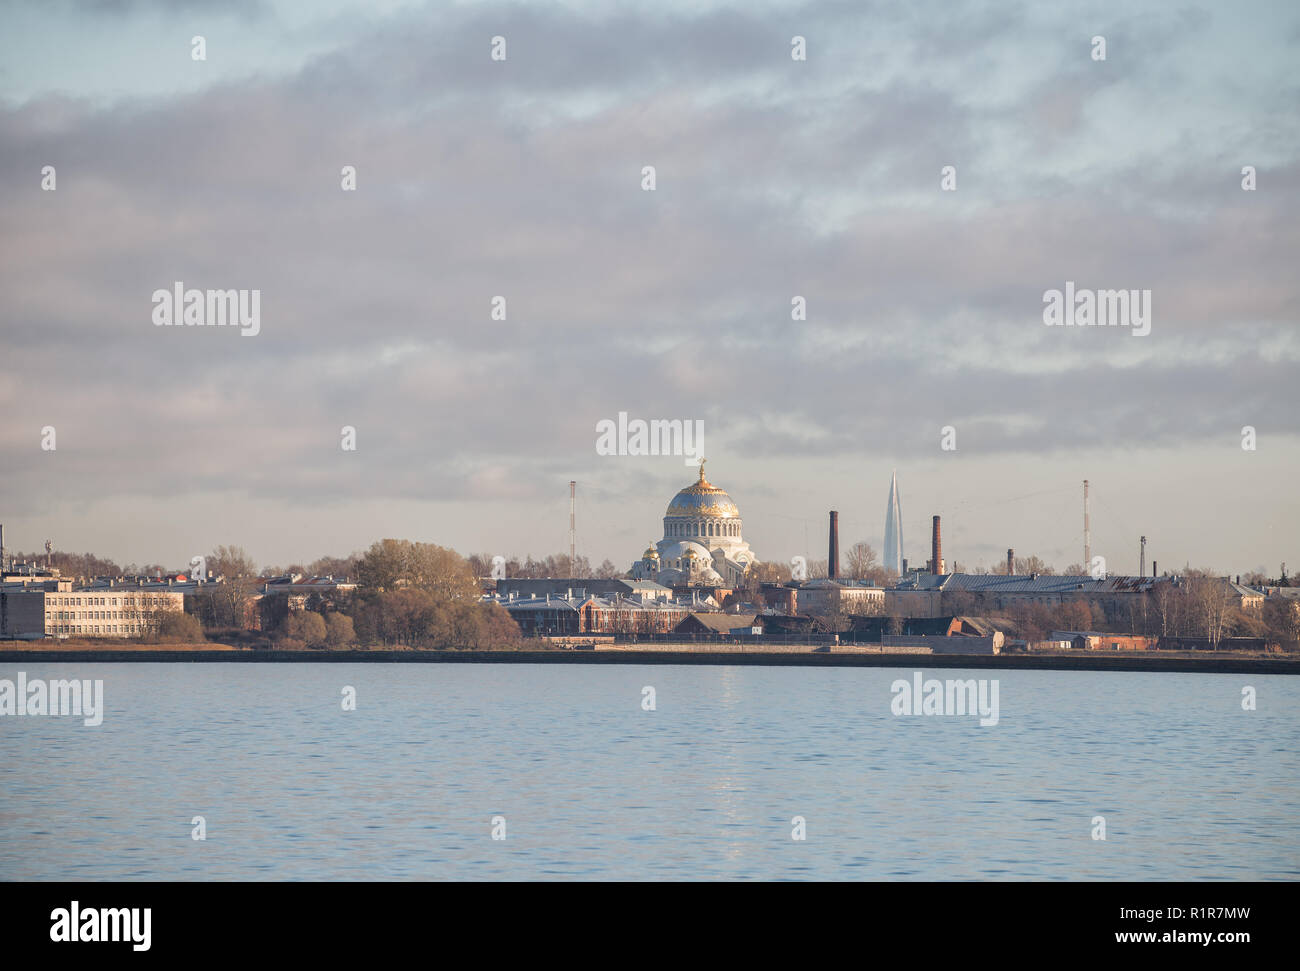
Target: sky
(774, 178)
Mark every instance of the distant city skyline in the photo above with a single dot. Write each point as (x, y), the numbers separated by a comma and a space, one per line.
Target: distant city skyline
(958, 552)
(805, 283)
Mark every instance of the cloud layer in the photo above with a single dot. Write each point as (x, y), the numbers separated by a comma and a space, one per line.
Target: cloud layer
(775, 178)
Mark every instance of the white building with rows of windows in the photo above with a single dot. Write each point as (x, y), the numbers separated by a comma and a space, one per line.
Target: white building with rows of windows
(53, 608)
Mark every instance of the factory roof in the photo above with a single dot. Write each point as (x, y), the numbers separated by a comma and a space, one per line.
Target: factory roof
(557, 602)
(1047, 584)
(996, 583)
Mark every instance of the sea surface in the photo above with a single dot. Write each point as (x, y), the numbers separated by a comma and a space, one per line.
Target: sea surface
(589, 785)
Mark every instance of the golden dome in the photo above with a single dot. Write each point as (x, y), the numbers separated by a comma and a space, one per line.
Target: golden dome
(702, 500)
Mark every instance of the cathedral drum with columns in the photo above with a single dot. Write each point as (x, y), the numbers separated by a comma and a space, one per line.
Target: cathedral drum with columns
(702, 543)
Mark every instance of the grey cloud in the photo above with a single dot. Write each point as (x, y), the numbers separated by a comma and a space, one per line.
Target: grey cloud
(925, 308)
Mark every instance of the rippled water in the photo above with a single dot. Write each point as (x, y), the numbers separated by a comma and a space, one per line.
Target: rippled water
(593, 787)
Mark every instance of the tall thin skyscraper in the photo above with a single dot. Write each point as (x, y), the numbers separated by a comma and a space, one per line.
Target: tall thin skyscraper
(892, 555)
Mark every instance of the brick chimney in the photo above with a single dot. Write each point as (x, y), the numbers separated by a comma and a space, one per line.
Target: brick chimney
(833, 553)
(1011, 562)
(936, 550)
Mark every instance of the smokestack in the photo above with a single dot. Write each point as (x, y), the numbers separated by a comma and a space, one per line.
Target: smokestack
(1087, 536)
(1154, 564)
(2, 547)
(1011, 561)
(833, 553)
(573, 495)
(936, 550)
(1142, 559)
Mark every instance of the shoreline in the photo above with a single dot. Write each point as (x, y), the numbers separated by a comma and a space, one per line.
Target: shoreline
(1030, 662)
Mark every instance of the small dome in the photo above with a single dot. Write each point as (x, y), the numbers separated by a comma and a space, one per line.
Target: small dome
(675, 551)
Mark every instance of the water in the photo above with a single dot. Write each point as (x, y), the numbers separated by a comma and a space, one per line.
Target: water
(592, 787)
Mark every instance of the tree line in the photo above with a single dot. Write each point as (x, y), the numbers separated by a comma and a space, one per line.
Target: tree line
(408, 594)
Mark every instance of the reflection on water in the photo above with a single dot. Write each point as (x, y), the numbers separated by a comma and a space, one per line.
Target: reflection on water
(593, 787)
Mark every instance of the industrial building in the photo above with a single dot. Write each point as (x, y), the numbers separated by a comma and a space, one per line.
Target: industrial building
(521, 588)
(556, 616)
(921, 594)
(824, 597)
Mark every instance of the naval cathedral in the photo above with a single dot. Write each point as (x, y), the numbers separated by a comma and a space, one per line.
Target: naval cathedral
(702, 542)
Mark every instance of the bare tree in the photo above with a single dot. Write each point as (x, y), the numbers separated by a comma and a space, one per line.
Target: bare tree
(770, 572)
(227, 600)
(339, 567)
(1281, 615)
(860, 561)
(1025, 565)
(1210, 603)
(392, 564)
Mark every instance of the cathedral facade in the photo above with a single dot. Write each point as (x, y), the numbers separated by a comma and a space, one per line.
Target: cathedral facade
(702, 541)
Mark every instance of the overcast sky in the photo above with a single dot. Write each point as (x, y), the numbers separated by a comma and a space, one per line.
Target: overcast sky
(775, 178)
